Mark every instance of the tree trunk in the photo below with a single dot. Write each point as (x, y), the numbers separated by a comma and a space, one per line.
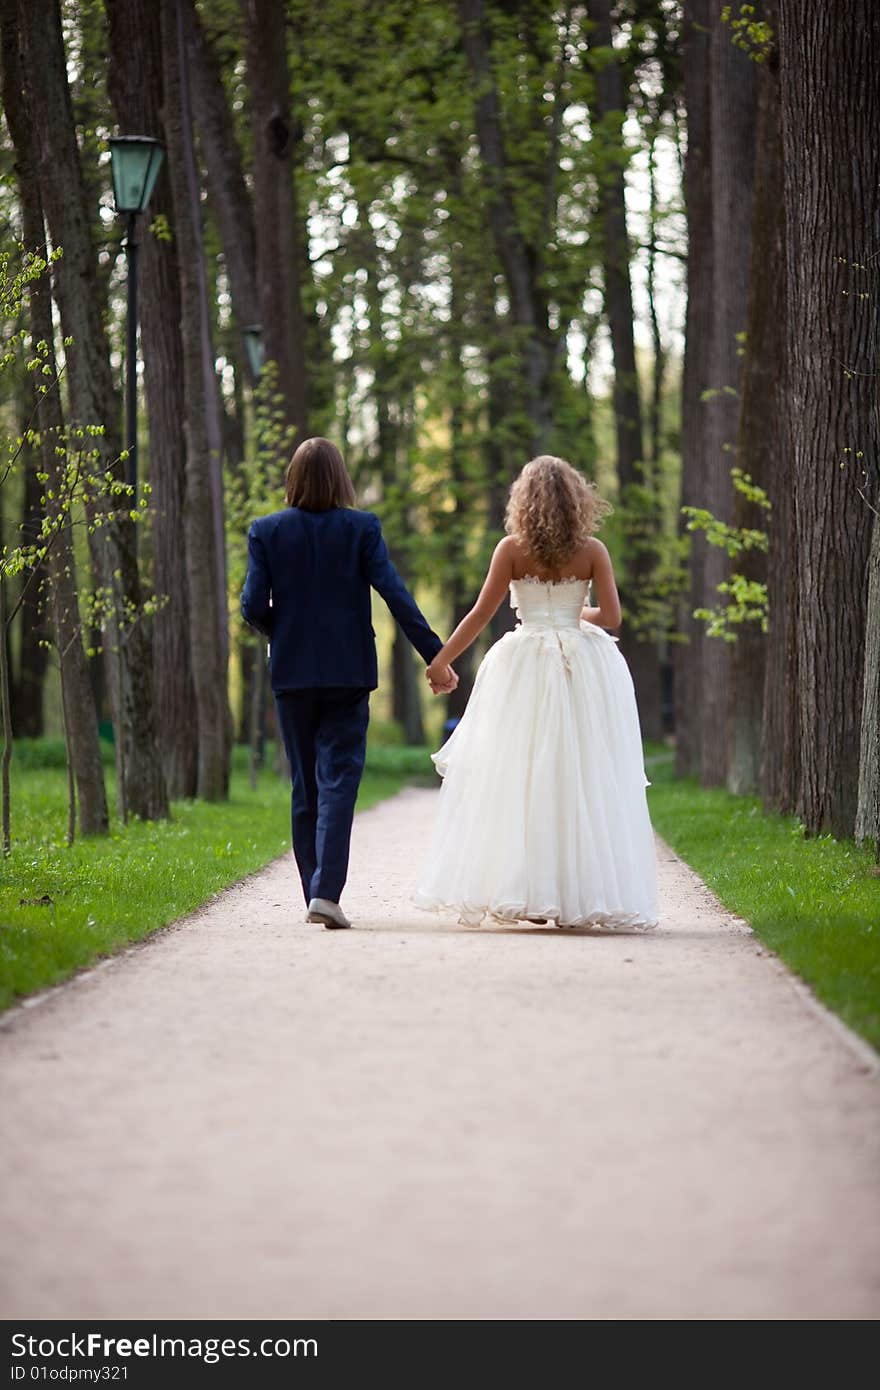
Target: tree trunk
(639, 648)
(695, 380)
(93, 402)
(830, 116)
(658, 356)
(6, 712)
(27, 689)
(767, 350)
(608, 117)
(276, 212)
(230, 199)
(81, 731)
(462, 516)
(134, 78)
(500, 447)
(733, 97)
(203, 512)
(868, 810)
(406, 691)
(520, 263)
(761, 443)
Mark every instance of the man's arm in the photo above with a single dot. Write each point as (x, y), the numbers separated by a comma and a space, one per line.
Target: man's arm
(404, 609)
(256, 606)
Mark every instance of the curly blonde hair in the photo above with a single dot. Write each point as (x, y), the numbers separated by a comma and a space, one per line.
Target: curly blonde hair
(552, 510)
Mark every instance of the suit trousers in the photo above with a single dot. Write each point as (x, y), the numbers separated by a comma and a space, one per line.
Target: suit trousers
(324, 729)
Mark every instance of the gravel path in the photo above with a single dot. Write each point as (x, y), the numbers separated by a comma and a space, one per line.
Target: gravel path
(252, 1117)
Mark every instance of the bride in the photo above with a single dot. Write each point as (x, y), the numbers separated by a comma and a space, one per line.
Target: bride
(542, 812)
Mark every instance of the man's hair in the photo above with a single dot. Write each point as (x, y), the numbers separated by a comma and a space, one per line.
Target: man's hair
(317, 478)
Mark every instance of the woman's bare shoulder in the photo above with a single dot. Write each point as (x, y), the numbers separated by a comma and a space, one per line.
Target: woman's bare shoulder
(597, 550)
(511, 549)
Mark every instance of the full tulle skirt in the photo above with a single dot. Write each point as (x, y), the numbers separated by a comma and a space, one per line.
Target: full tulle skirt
(543, 812)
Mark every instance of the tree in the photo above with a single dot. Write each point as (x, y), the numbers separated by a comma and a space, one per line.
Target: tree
(203, 512)
(135, 84)
(276, 211)
(830, 115)
(639, 645)
(695, 381)
(230, 199)
(141, 787)
(80, 722)
(732, 134)
(534, 341)
(762, 452)
(868, 811)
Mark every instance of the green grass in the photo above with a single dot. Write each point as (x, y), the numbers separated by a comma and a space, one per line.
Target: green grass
(815, 902)
(105, 893)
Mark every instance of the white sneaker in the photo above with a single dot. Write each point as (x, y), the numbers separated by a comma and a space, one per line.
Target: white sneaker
(331, 914)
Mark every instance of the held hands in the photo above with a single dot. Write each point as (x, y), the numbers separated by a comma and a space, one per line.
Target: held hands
(442, 679)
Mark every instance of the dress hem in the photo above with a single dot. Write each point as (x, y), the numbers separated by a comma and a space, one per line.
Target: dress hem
(472, 914)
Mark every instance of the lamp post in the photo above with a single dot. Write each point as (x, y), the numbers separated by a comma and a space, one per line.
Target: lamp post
(256, 352)
(135, 162)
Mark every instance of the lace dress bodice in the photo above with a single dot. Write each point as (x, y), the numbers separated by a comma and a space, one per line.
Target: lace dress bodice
(553, 603)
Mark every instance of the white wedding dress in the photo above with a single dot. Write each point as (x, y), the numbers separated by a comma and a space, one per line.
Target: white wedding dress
(542, 812)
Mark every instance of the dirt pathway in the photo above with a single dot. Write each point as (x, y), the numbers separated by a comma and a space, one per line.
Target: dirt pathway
(249, 1116)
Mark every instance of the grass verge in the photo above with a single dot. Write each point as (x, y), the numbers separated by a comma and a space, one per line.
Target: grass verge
(815, 902)
(63, 908)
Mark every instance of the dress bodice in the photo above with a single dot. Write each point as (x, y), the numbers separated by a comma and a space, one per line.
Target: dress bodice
(550, 603)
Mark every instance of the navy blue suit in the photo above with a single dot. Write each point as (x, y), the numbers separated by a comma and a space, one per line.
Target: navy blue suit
(308, 590)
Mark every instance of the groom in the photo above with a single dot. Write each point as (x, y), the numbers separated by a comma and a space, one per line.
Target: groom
(310, 571)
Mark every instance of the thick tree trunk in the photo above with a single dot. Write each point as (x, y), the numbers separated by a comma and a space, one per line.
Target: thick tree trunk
(767, 352)
(203, 512)
(81, 724)
(27, 689)
(276, 212)
(733, 97)
(93, 402)
(230, 199)
(868, 810)
(780, 738)
(520, 262)
(640, 649)
(134, 78)
(761, 443)
(830, 117)
(698, 336)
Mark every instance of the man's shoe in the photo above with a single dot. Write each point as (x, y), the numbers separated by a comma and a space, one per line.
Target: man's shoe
(331, 914)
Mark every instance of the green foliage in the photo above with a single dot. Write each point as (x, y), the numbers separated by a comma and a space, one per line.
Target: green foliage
(816, 902)
(63, 908)
(747, 598)
(752, 35)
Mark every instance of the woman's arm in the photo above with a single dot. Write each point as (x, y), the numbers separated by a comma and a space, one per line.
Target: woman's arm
(607, 614)
(495, 586)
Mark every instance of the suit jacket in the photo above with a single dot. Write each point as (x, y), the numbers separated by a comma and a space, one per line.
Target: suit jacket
(308, 589)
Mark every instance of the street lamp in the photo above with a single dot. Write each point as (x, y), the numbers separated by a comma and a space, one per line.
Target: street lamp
(135, 162)
(256, 352)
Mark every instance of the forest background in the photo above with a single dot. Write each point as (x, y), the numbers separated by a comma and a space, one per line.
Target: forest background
(641, 235)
